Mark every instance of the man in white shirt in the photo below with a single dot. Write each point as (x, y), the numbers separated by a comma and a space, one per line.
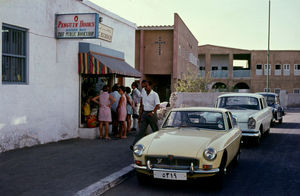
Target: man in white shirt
(149, 105)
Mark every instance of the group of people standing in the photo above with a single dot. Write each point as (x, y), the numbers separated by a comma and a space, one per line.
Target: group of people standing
(122, 104)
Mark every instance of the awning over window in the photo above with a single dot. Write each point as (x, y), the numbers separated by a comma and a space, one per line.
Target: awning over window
(94, 63)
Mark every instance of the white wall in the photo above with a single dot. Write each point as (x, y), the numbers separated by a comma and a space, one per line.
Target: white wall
(208, 99)
(185, 99)
(47, 109)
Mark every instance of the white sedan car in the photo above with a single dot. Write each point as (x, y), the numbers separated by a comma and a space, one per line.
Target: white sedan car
(251, 110)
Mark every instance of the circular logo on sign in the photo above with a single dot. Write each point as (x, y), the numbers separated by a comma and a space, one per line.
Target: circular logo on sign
(76, 18)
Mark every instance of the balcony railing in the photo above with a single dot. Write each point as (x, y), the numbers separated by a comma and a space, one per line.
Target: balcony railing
(219, 74)
(241, 73)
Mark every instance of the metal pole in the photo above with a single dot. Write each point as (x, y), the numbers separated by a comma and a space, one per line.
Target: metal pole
(268, 53)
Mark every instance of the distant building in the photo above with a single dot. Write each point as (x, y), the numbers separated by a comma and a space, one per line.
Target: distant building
(164, 54)
(233, 69)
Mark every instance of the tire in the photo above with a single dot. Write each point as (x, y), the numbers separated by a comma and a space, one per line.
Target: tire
(258, 139)
(268, 131)
(272, 123)
(218, 178)
(237, 157)
(143, 179)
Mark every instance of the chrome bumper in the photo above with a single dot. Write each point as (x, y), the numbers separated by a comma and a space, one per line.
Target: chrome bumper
(250, 134)
(198, 171)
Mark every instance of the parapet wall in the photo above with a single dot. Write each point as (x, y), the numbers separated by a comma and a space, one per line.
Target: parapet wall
(208, 99)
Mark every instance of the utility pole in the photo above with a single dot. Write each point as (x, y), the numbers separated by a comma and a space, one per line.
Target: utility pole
(268, 52)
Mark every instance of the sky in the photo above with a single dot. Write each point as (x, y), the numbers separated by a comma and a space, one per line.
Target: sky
(231, 23)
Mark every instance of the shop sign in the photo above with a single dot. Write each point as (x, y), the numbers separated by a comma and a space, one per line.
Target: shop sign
(76, 26)
(105, 32)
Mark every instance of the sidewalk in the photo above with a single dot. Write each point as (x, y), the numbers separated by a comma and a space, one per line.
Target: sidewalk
(62, 168)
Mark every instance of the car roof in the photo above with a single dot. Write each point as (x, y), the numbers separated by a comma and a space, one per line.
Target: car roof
(242, 95)
(206, 109)
(267, 93)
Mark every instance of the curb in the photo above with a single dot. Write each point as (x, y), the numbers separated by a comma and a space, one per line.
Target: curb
(107, 183)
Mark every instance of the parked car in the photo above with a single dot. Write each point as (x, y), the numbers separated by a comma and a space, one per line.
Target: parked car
(252, 112)
(274, 102)
(192, 143)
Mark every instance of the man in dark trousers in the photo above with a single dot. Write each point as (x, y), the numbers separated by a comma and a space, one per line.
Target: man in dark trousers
(148, 116)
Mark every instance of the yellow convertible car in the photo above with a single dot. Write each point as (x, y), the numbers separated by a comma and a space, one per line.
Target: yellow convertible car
(192, 143)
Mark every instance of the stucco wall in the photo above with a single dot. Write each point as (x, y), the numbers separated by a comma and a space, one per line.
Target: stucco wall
(186, 99)
(47, 108)
(293, 100)
(153, 62)
(187, 45)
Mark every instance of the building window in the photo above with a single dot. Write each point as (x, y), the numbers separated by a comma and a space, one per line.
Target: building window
(258, 66)
(277, 67)
(277, 91)
(297, 91)
(14, 70)
(266, 70)
(202, 68)
(224, 68)
(214, 68)
(297, 70)
(286, 69)
(259, 69)
(277, 70)
(267, 90)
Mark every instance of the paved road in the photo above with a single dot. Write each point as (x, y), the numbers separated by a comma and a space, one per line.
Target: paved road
(273, 168)
(61, 168)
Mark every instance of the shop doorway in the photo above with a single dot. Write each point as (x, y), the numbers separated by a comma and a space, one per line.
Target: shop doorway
(91, 85)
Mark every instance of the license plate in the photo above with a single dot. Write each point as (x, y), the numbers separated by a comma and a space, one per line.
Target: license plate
(169, 175)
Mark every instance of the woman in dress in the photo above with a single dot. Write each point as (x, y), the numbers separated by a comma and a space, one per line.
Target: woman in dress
(129, 108)
(105, 101)
(122, 113)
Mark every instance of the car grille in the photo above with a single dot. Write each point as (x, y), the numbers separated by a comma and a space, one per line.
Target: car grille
(170, 162)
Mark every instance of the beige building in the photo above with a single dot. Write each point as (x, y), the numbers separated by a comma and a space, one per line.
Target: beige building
(233, 69)
(164, 54)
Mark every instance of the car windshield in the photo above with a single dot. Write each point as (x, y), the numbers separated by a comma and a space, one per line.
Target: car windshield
(199, 119)
(239, 103)
(270, 99)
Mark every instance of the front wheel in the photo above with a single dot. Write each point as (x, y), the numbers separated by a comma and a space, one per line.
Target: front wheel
(218, 178)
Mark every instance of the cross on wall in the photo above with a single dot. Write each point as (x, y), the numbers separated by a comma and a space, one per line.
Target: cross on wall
(159, 42)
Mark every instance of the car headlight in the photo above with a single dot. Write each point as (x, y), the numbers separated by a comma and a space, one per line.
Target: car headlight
(210, 154)
(251, 123)
(138, 149)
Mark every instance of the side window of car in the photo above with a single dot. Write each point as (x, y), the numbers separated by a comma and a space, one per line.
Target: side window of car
(264, 102)
(261, 104)
(228, 120)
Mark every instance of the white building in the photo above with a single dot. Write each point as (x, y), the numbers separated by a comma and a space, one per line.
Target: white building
(40, 87)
